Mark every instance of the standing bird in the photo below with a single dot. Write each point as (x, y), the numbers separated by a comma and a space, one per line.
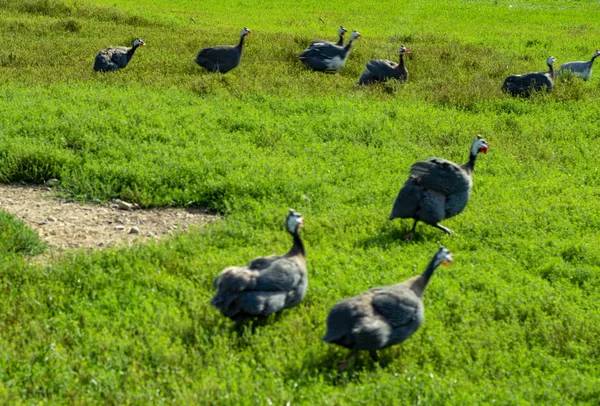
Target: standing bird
(341, 32)
(437, 189)
(327, 57)
(113, 58)
(381, 70)
(523, 85)
(222, 58)
(267, 284)
(381, 317)
(581, 69)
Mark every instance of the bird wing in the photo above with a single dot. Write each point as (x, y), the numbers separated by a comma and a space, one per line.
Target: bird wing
(221, 54)
(235, 279)
(260, 263)
(341, 319)
(397, 306)
(322, 51)
(441, 176)
(382, 69)
(284, 274)
(117, 55)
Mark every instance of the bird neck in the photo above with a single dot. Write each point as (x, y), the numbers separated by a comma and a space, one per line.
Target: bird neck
(132, 50)
(298, 247)
(421, 282)
(241, 43)
(593, 58)
(470, 165)
(347, 47)
(340, 42)
(401, 64)
(551, 71)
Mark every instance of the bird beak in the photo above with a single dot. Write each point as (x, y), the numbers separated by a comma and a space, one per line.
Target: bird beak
(483, 149)
(407, 51)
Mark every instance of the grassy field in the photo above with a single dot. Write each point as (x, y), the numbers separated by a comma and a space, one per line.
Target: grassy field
(516, 318)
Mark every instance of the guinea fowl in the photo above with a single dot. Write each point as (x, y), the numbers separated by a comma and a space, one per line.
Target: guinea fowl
(582, 69)
(327, 57)
(381, 317)
(267, 284)
(113, 58)
(222, 58)
(341, 32)
(437, 189)
(381, 70)
(523, 85)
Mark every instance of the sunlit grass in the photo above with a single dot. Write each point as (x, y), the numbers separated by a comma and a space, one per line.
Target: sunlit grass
(514, 320)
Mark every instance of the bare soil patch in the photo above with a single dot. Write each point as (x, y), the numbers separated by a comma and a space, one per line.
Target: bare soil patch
(64, 223)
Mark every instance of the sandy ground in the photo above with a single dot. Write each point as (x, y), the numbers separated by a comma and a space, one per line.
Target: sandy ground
(64, 223)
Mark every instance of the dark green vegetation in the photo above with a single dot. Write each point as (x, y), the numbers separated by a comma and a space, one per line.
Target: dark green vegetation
(516, 318)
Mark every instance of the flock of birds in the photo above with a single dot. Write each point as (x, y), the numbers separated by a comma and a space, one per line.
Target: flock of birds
(436, 189)
(325, 56)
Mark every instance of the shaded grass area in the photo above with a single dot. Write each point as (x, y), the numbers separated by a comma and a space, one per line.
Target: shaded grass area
(515, 320)
(16, 237)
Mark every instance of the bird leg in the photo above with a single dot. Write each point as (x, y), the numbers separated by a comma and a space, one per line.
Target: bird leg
(444, 229)
(374, 355)
(342, 366)
(409, 235)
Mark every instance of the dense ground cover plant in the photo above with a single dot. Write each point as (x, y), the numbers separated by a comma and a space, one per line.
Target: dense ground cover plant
(514, 320)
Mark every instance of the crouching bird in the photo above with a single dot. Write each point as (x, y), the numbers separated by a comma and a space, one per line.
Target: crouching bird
(265, 285)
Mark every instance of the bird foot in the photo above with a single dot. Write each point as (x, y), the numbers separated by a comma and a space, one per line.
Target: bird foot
(407, 236)
(444, 229)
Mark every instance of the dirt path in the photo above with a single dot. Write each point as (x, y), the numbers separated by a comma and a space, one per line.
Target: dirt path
(63, 223)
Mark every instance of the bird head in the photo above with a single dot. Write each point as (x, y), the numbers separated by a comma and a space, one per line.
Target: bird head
(294, 221)
(138, 42)
(443, 256)
(403, 50)
(354, 35)
(342, 31)
(479, 145)
(245, 32)
(597, 53)
(550, 60)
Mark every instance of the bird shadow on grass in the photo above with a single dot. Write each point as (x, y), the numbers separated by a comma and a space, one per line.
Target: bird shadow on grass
(327, 365)
(246, 329)
(392, 236)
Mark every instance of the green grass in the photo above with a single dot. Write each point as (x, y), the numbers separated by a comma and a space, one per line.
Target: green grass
(16, 237)
(515, 320)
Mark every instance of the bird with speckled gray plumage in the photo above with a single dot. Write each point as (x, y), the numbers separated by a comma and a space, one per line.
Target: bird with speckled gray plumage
(222, 58)
(113, 58)
(581, 69)
(325, 57)
(381, 70)
(341, 32)
(437, 189)
(265, 285)
(381, 317)
(523, 85)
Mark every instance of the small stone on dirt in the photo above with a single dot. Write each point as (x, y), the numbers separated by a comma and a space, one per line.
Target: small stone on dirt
(134, 230)
(121, 205)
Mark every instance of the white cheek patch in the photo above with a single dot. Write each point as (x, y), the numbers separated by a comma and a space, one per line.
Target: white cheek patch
(291, 224)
